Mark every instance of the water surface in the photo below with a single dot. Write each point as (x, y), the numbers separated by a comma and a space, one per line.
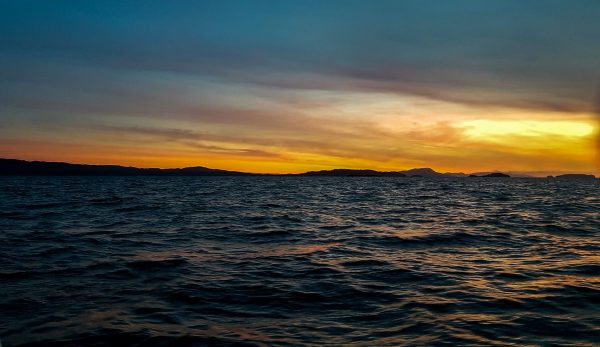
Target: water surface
(187, 261)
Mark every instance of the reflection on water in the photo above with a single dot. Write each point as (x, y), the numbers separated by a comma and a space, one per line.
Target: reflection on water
(301, 261)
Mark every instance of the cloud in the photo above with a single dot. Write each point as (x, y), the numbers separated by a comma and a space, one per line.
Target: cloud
(328, 83)
(506, 54)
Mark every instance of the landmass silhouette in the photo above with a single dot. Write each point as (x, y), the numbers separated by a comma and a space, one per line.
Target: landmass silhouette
(16, 167)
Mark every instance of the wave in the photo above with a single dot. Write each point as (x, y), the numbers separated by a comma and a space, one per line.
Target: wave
(281, 261)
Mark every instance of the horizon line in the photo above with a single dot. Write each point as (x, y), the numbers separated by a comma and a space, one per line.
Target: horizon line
(533, 174)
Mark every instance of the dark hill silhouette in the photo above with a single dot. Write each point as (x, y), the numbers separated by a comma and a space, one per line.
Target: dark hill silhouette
(420, 172)
(497, 174)
(41, 168)
(492, 175)
(15, 167)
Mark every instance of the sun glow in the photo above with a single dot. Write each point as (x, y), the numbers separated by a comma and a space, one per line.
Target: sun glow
(491, 128)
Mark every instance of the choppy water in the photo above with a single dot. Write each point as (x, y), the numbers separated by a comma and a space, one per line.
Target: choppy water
(298, 261)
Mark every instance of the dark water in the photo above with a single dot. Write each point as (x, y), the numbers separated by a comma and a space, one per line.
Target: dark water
(299, 261)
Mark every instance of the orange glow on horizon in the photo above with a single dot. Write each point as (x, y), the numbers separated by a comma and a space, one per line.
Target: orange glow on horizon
(396, 135)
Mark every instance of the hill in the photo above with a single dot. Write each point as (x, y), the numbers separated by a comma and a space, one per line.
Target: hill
(16, 167)
(420, 172)
(40, 168)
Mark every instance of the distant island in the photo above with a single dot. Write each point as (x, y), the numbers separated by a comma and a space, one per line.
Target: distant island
(421, 172)
(16, 167)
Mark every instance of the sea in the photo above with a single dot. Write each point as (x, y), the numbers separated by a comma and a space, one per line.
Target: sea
(299, 261)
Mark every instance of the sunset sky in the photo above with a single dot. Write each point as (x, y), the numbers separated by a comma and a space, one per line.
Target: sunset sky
(290, 86)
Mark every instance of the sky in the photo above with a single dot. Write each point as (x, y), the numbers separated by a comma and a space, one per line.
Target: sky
(286, 86)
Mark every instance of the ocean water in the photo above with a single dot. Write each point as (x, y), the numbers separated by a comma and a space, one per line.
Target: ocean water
(192, 261)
